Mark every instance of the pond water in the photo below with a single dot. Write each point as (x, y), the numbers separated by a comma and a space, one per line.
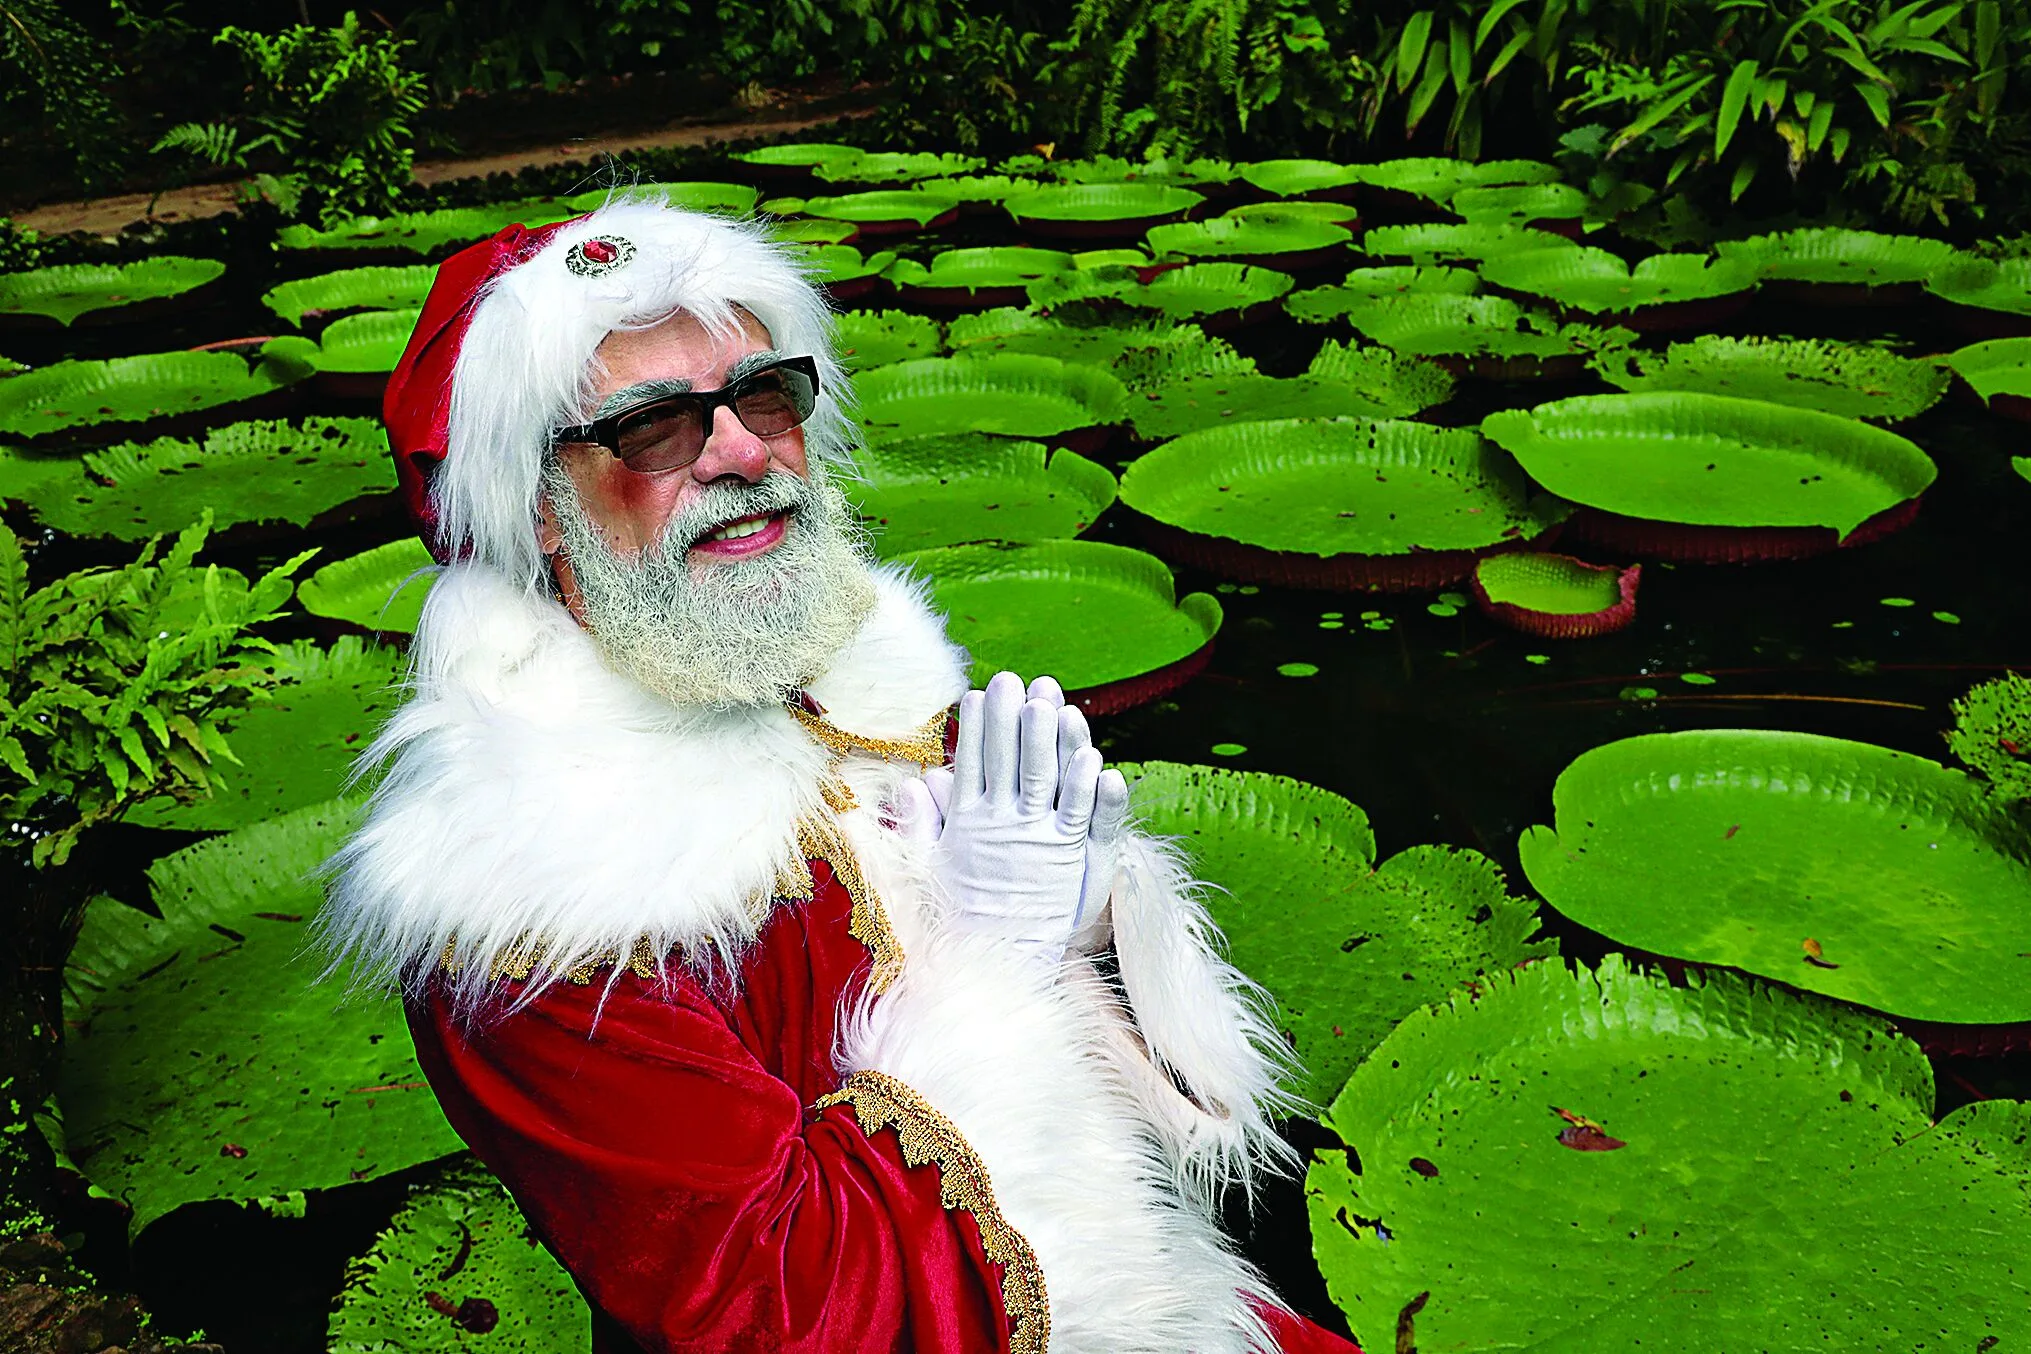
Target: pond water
(1440, 724)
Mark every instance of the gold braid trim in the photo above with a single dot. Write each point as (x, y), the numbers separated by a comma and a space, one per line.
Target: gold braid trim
(880, 1101)
(528, 954)
(925, 748)
(868, 923)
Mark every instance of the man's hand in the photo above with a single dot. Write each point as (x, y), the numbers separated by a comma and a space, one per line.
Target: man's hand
(1026, 825)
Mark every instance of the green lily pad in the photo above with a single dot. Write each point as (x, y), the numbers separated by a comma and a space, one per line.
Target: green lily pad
(370, 342)
(1751, 1169)
(459, 1237)
(423, 232)
(1992, 728)
(1350, 486)
(65, 292)
(81, 394)
(1370, 382)
(298, 748)
(243, 472)
(1713, 460)
(1157, 169)
(1556, 585)
(1332, 213)
(1428, 241)
(29, 475)
(1203, 289)
(810, 230)
(832, 264)
(917, 206)
(1085, 613)
(1596, 281)
(801, 155)
(973, 188)
(2002, 285)
(401, 288)
(918, 493)
(1320, 305)
(380, 589)
(1736, 846)
(1347, 949)
(897, 167)
(973, 268)
(1851, 379)
(1101, 202)
(1522, 202)
(1014, 394)
(1232, 237)
(1998, 367)
(1433, 324)
(1013, 329)
(1438, 179)
(1295, 178)
(874, 338)
(724, 199)
(171, 1094)
(1829, 254)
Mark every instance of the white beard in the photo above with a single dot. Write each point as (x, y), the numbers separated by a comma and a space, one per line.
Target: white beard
(732, 633)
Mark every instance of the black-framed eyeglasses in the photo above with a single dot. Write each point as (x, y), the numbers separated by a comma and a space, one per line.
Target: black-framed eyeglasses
(669, 432)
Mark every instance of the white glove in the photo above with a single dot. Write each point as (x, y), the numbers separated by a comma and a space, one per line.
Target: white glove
(1025, 826)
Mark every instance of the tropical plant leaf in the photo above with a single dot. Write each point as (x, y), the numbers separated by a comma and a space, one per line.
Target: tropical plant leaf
(1737, 846)
(1349, 486)
(402, 288)
(1253, 236)
(1850, 379)
(874, 338)
(723, 199)
(801, 155)
(423, 232)
(1295, 178)
(1361, 286)
(896, 167)
(1080, 611)
(921, 206)
(1713, 460)
(1597, 282)
(133, 389)
(1346, 949)
(1551, 585)
(171, 1094)
(1523, 202)
(380, 589)
(371, 341)
(1998, 367)
(1989, 284)
(1014, 394)
(971, 268)
(1829, 254)
(66, 291)
(1673, 1168)
(923, 492)
(1429, 242)
(1438, 179)
(1992, 734)
(1367, 382)
(1011, 329)
(1432, 324)
(1101, 202)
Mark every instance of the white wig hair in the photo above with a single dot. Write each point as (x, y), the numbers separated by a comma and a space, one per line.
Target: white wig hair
(528, 364)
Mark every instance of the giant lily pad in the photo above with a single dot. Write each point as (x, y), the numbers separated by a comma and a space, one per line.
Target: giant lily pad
(1492, 335)
(1010, 329)
(1437, 179)
(1826, 255)
(1850, 379)
(350, 289)
(810, 230)
(1207, 291)
(1280, 241)
(987, 277)
(1101, 209)
(1660, 291)
(801, 155)
(1015, 394)
(1428, 242)
(842, 269)
(381, 589)
(924, 492)
(1353, 502)
(1602, 1161)
(1522, 203)
(297, 748)
(64, 293)
(1999, 371)
(1103, 619)
(1346, 948)
(1297, 178)
(1360, 287)
(171, 1094)
(243, 472)
(873, 338)
(725, 199)
(422, 232)
(1991, 297)
(892, 212)
(171, 387)
(1737, 846)
(897, 167)
(461, 1239)
(356, 354)
(1158, 169)
(1372, 382)
(1714, 460)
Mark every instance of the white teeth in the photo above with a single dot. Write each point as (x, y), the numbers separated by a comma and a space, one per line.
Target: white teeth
(734, 531)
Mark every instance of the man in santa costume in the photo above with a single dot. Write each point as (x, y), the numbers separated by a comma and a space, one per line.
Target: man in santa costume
(785, 1033)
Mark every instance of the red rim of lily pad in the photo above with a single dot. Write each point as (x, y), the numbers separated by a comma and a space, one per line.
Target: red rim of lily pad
(1418, 571)
(1111, 698)
(1686, 542)
(853, 288)
(1669, 317)
(1089, 441)
(1968, 1041)
(1570, 625)
(908, 225)
(963, 298)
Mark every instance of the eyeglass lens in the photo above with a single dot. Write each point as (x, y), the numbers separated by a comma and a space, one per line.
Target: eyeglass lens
(672, 433)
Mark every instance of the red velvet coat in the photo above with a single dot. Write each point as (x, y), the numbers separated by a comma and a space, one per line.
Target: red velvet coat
(668, 1149)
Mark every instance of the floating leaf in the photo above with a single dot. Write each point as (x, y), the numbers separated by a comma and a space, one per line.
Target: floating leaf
(1438, 179)
(135, 389)
(402, 288)
(1009, 329)
(1713, 460)
(65, 292)
(1556, 596)
(1597, 282)
(371, 342)
(1832, 839)
(1832, 255)
(875, 338)
(1346, 948)
(1295, 178)
(381, 589)
(1015, 394)
(1241, 237)
(1101, 202)
(1480, 240)
(924, 492)
(423, 232)
(896, 166)
(1851, 379)
(1998, 367)
(1431, 324)
(1522, 202)
(1781, 1159)
(1370, 382)
(2000, 285)
(834, 264)
(971, 270)
(916, 207)
(164, 1071)
(801, 155)
(1363, 285)
(1992, 734)
(461, 1239)
(723, 199)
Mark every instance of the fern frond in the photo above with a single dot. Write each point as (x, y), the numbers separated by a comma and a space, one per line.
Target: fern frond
(216, 143)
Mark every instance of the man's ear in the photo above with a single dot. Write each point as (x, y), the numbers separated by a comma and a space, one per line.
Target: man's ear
(549, 536)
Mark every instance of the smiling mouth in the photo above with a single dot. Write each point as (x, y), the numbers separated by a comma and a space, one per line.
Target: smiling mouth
(745, 535)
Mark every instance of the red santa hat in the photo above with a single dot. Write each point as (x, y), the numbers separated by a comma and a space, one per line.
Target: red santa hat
(504, 353)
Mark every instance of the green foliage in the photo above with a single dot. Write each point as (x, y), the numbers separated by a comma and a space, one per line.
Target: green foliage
(330, 105)
(1992, 735)
(54, 75)
(115, 682)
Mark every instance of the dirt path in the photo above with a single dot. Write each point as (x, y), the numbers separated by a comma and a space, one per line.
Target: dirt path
(107, 216)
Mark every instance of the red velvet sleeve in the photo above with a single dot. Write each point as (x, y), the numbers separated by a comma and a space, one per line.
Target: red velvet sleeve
(687, 1188)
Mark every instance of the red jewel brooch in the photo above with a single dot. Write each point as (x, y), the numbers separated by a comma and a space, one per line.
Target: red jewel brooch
(598, 256)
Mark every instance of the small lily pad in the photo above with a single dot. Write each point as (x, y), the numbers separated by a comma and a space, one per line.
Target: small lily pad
(64, 293)
(873, 338)
(381, 589)
(1014, 394)
(400, 288)
(1556, 596)
(924, 492)
(1102, 619)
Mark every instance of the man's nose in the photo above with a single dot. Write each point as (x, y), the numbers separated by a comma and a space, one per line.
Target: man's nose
(731, 450)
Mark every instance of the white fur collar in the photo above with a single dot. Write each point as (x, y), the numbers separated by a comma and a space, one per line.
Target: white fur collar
(532, 792)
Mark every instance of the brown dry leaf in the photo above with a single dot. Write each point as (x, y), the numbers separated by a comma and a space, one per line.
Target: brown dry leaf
(1815, 956)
